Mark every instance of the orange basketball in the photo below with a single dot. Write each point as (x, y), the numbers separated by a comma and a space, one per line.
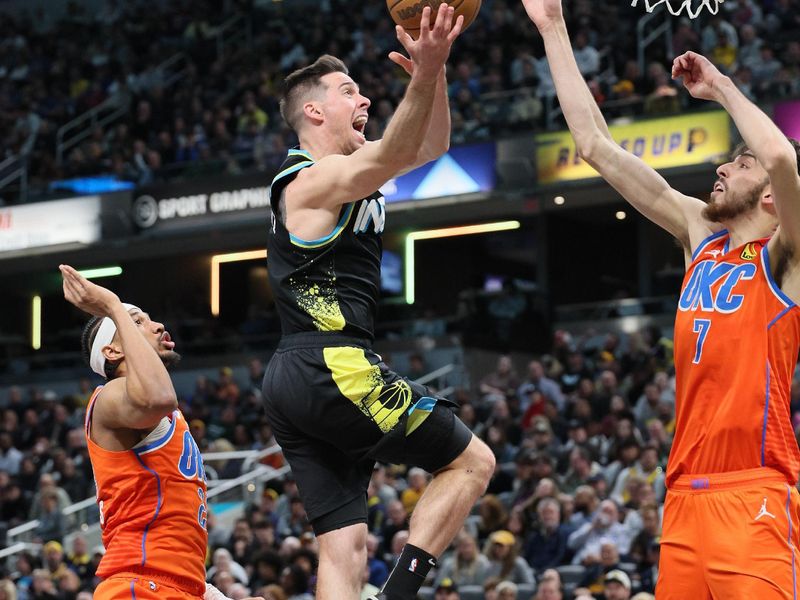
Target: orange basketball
(408, 13)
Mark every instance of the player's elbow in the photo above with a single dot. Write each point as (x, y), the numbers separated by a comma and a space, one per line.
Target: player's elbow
(589, 147)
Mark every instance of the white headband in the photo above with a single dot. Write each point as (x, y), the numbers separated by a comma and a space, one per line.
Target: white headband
(105, 333)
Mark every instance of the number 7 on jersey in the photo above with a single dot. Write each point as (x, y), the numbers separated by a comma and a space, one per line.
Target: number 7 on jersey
(701, 327)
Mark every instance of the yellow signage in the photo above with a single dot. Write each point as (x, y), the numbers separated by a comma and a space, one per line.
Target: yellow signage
(661, 143)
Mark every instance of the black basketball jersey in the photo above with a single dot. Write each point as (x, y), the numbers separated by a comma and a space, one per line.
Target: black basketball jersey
(331, 283)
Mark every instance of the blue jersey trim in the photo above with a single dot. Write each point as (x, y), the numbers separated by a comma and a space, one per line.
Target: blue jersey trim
(706, 241)
(331, 236)
(155, 445)
(771, 281)
(292, 169)
(766, 416)
(426, 403)
(776, 319)
(789, 540)
(133, 589)
(158, 507)
(299, 152)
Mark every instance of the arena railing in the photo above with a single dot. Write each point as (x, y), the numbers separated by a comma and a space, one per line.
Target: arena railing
(15, 168)
(83, 517)
(69, 135)
(648, 32)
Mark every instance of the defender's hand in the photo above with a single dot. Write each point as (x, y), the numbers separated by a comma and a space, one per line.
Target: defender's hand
(429, 52)
(543, 13)
(87, 296)
(700, 77)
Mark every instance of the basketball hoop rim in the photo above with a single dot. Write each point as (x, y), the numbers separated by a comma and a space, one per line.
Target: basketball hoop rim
(685, 8)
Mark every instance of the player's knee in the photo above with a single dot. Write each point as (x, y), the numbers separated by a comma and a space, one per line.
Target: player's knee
(345, 548)
(478, 462)
(484, 462)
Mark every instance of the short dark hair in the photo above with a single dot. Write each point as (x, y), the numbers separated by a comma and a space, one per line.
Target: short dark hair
(743, 148)
(301, 82)
(87, 339)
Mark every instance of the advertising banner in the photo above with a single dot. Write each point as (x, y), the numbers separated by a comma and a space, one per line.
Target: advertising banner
(42, 224)
(463, 170)
(206, 202)
(661, 143)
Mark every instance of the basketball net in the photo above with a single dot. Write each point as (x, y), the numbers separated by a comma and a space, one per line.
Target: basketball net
(691, 12)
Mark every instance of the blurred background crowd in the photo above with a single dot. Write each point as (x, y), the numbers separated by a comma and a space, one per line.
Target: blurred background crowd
(196, 84)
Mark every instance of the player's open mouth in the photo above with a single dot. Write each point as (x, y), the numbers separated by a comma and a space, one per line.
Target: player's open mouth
(360, 124)
(718, 187)
(166, 341)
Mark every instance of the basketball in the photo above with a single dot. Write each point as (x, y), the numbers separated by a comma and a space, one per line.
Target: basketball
(408, 13)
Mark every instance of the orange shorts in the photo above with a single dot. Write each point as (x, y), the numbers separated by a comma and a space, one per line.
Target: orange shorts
(135, 587)
(730, 535)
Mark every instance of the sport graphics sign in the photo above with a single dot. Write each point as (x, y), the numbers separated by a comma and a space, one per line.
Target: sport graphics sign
(680, 141)
(201, 203)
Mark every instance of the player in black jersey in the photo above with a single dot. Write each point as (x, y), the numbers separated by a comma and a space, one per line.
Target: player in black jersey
(333, 404)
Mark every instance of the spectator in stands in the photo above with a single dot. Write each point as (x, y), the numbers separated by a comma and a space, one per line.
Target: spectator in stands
(501, 382)
(52, 525)
(78, 558)
(397, 519)
(648, 469)
(617, 585)
(581, 468)
(54, 564)
(466, 565)
(47, 484)
(716, 28)
(546, 546)
(685, 38)
(378, 570)
(537, 380)
(548, 589)
(417, 482)
(506, 590)
(222, 561)
(42, 586)
(10, 457)
(446, 590)
(294, 582)
(604, 526)
(587, 57)
(492, 516)
(296, 522)
(504, 560)
(599, 566)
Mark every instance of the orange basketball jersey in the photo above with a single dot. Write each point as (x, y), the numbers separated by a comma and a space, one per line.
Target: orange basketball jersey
(152, 502)
(736, 343)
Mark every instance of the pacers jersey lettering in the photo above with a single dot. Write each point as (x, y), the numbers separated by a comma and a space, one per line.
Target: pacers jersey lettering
(737, 337)
(331, 283)
(152, 501)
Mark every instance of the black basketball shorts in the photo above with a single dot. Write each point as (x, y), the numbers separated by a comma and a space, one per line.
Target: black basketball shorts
(335, 409)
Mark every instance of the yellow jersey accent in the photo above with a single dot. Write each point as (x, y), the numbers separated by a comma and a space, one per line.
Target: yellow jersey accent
(749, 251)
(320, 303)
(362, 383)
